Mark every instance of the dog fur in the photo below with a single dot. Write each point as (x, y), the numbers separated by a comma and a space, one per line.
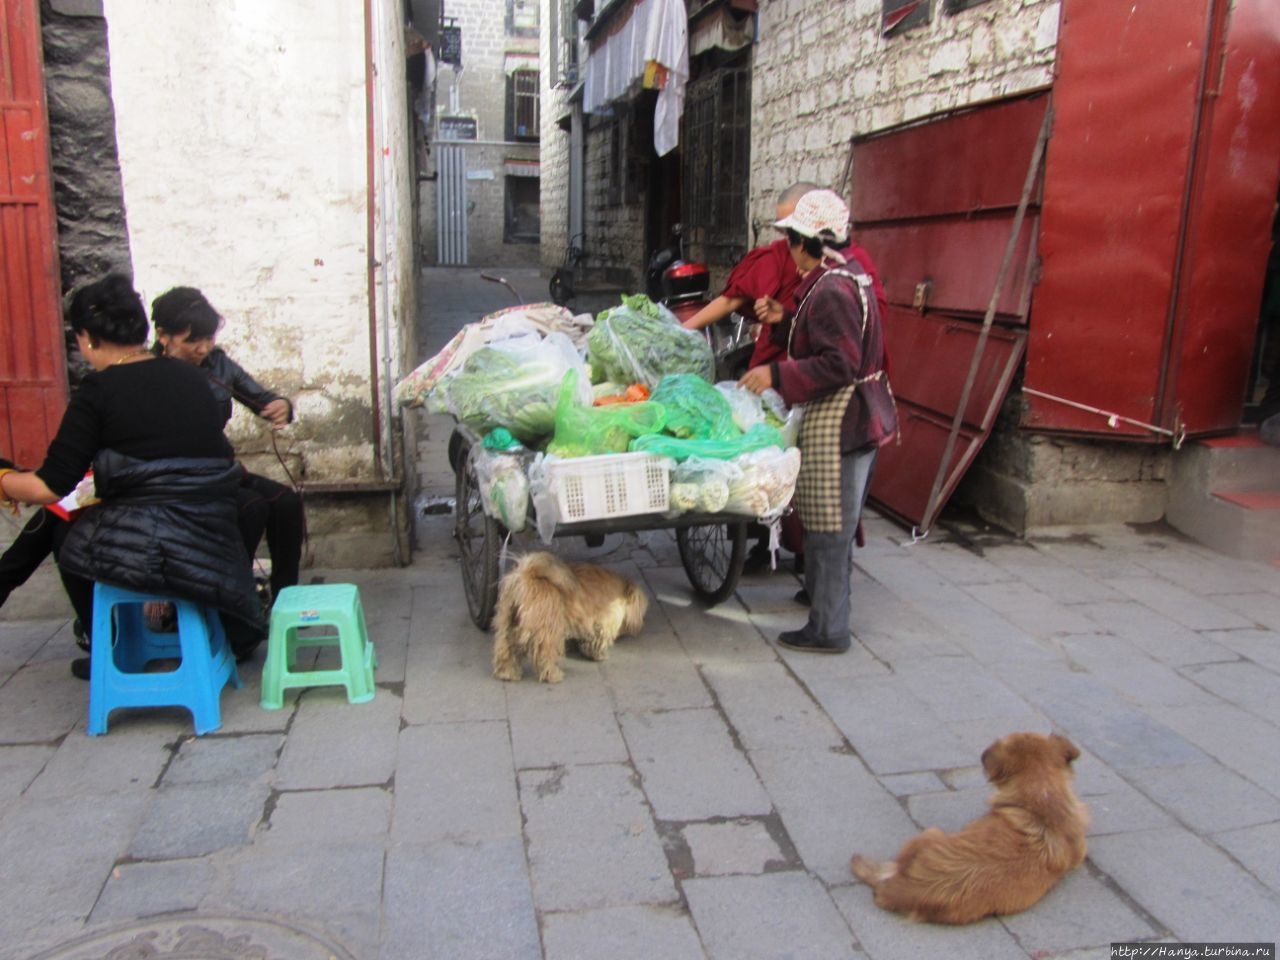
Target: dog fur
(544, 602)
(1003, 862)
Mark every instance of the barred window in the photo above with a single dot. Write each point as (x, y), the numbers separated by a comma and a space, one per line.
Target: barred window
(523, 101)
(717, 143)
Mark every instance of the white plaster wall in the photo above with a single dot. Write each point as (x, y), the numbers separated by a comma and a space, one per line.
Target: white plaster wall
(241, 128)
(822, 74)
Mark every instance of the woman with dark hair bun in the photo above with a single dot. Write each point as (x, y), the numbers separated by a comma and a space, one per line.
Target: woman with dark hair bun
(187, 328)
(162, 470)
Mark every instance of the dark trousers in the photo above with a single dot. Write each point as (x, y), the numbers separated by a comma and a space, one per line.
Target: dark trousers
(28, 550)
(274, 510)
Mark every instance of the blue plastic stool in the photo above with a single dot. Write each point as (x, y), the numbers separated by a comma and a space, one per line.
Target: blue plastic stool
(123, 645)
(335, 606)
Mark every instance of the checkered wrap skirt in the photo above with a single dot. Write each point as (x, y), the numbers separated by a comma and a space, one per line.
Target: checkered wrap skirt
(818, 486)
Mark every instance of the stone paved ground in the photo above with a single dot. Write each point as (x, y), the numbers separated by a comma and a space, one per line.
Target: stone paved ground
(699, 794)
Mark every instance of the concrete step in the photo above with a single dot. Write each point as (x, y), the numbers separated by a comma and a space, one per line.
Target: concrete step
(1225, 493)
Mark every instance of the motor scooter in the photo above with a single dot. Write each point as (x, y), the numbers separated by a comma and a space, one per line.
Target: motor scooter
(683, 286)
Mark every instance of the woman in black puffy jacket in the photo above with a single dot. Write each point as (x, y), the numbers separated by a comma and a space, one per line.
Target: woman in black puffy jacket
(152, 432)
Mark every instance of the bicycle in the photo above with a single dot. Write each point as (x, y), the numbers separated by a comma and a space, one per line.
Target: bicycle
(564, 280)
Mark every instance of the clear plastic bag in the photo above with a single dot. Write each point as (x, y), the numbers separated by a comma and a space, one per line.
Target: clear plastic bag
(766, 482)
(702, 486)
(504, 487)
(642, 342)
(747, 407)
(512, 383)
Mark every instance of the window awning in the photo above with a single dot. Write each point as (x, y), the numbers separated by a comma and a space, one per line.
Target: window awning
(640, 33)
(721, 24)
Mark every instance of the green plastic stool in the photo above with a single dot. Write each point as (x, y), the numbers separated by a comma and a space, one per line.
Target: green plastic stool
(332, 605)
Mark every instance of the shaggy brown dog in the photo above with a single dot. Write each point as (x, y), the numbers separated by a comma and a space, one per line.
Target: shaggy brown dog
(544, 602)
(1003, 862)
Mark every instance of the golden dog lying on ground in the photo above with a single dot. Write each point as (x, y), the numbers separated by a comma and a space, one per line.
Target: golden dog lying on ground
(1003, 862)
(543, 602)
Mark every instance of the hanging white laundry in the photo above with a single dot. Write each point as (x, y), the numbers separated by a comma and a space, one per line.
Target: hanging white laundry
(656, 30)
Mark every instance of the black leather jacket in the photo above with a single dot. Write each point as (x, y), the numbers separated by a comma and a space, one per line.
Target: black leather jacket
(230, 382)
(168, 526)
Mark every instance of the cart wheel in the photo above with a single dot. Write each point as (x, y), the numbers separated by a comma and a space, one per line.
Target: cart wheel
(712, 558)
(457, 450)
(479, 538)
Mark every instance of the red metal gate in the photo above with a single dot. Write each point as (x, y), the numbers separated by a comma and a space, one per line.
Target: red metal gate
(936, 205)
(1160, 182)
(33, 378)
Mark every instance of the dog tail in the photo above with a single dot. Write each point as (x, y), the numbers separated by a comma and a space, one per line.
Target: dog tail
(549, 567)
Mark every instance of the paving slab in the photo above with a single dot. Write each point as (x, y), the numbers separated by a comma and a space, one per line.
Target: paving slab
(197, 819)
(131, 759)
(572, 722)
(1098, 719)
(455, 782)
(609, 857)
(1208, 798)
(463, 901)
(726, 847)
(1188, 886)
(778, 916)
(621, 933)
(65, 848)
(141, 890)
(791, 718)
(690, 767)
(1257, 849)
(332, 816)
(333, 743)
(890, 936)
(831, 807)
(917, 739)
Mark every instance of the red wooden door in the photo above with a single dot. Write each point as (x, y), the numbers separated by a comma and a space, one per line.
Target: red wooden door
(33, 377)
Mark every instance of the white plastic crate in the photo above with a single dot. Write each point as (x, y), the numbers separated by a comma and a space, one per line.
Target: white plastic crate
(610, 485)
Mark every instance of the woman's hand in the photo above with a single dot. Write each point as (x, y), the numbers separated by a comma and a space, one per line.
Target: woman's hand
(277, 411)
(768, 310)
(757, 379)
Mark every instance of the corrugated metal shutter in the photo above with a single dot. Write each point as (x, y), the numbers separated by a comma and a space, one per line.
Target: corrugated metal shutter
(451, 220)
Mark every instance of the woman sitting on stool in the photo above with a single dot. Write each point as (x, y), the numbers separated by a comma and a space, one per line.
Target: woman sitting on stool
(152, 432)
(187, 329)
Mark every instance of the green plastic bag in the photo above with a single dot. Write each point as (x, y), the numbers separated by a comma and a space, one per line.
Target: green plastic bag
(695, 409)
(584, 431)
(678, 449)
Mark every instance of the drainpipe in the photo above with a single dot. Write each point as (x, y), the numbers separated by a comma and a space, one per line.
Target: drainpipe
(371, 233)
(382, 459)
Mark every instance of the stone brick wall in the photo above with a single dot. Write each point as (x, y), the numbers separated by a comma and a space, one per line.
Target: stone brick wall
(823, 74)
(92, 234)
(554, 152)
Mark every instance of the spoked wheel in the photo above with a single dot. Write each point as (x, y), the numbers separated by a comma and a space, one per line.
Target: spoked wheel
(479, 540)
(712, 557)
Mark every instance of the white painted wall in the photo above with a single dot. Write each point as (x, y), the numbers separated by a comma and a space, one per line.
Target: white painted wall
(241, 128)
